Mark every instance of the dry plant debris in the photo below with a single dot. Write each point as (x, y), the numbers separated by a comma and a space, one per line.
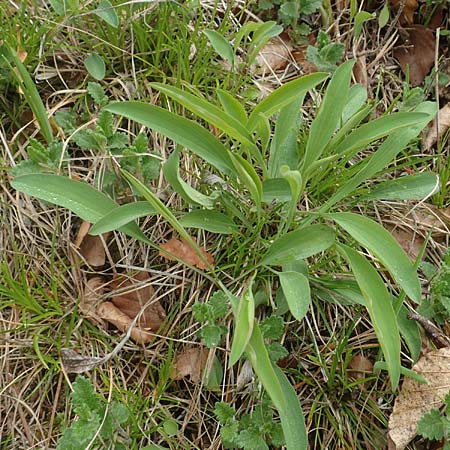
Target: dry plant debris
(191, 362)
(132, 301)
(416, 52)
(182, 250)
(409, 240)
(91, 248)
(416, 399)
(275, 55)
(408, 8)
(437, 128)
(360, 367)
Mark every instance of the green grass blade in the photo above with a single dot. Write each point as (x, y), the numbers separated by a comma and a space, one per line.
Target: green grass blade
(297, 292)
(411, 187)
(292, 418)
(249, 178)
(245, 318)
(29, 90)
(329, 115)
(383, 245)
(379, 306)
(79, 197)
(212, 221)
(209, 112)
(185, 132)
(121, 216)
(390, 148)
(285, 95)
(187, 192)
(299, 244)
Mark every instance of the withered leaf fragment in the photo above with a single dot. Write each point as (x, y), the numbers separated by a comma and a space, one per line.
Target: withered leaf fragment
(191, 362)
(182, 250)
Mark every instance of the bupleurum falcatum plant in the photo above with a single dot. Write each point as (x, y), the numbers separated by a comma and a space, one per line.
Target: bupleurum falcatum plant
(283, 198)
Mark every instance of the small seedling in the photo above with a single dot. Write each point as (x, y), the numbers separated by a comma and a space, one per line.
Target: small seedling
(327, 54)
(98, 423)
(435, 426)
(254, 431)
(216, 308)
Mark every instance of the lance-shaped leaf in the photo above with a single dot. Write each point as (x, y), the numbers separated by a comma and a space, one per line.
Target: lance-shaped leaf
(383, 245)
(185, 132)
(299, 244)
(379, 306)
(212, 221)
(297, 292)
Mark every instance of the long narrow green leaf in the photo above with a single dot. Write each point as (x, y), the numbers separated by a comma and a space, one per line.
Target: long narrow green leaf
(79, 197)
(121, 216)
(220, 45)
(232, 106)
(185, 132)
(329, 115)
(299, 244)
(411, 187)
(249, 178)
(29, 90)
(393, 145)
(209, 112)
(379, 306)
(297, 292)
(285, 95)
(382, 244)
(258, 356)
(245, 318)
(212, 221)
(187, 192)
(283, 148)
(292, 418)
(377, 129)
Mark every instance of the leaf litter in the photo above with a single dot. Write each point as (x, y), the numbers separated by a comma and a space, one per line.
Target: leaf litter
(181, 249)
(416, 399)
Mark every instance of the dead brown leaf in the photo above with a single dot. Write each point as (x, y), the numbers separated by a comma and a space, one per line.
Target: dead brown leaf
(407, 13)
(191, 362)
(438, 127)
(73, 362)
(275, 55)
(417, 52)
(91, 248)
(416, 399)
(136, 293)
(109, 312)
(410, 241)
(91, 298)
(182, 250)
(359, 367)
(360, 71)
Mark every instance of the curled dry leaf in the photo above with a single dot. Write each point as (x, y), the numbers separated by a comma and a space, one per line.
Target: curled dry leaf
(407, 13)
(191, 362)
(91, 248)
(182, 250)
(417, 52)
(135, 294)
(416, 399)
(438, 127)
(73, 362)
(275, 55)
(109, 312)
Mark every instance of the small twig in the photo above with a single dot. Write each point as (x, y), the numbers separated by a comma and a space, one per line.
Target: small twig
(440, 339)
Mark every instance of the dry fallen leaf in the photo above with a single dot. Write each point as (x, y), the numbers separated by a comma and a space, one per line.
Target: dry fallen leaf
(192, 362)
(359, 367)
(91, 248)
(91, 298)
(417, 52)
(136, 292)
(409, 240)
(416, 399)
(73, 362)
(438, 127)
(182, 250)
(407, 13)
(109, 312)
(275, 55)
